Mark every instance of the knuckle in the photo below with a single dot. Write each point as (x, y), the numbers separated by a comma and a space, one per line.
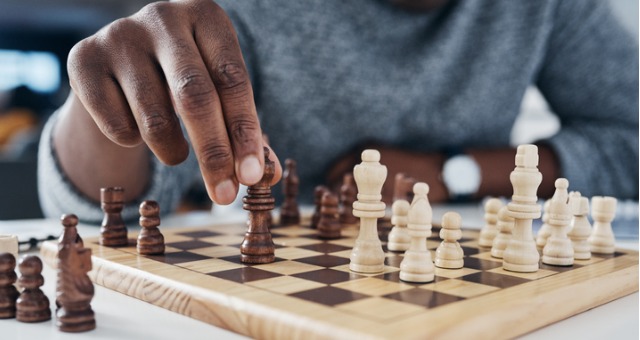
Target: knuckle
(243, 129)
(216, 157)
(121, 132)
(231, 74)
(155, 125)
(193, 89)
(82, 56)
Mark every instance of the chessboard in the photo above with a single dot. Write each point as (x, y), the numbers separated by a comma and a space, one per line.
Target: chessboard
(309, 291)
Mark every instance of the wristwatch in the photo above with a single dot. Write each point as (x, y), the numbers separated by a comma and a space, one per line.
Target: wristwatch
(462, 177)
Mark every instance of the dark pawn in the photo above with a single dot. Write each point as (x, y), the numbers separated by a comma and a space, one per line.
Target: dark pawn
(32, 304)
(329, 224)
(348, 195)
(8, 292)
(403, 187)
(257, 246)
(113, 232)
(70, 230)
(317, 201)
(150, 239)
(289, 212)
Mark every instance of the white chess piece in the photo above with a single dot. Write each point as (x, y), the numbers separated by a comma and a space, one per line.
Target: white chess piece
(367, 255)
(449, 253)
(545, 230)
(559, 251)
(399, 239)
(9, 244)
(490, 229)
(417, 265)
(580, 227)
(505, 228)
(603, 211)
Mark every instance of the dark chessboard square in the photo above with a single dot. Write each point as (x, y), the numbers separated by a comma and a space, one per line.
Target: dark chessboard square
(609, 256)
(236, 259)
(245, 274)
(324, 260)
(468, 251)
(424, 297)
(494, 279)
(178, 257)
(325, 247)
(329, 296)
(188, 245)
(328, 276)
(199, 233)
(395, 277)
(479, 264)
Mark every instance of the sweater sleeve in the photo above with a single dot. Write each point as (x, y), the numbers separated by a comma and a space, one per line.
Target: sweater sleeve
(590, 79)
(59, 196)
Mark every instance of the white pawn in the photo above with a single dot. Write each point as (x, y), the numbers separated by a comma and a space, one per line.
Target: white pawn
(505, 227)
(399, 239)
(545, 229)
(580, 226)
(490, 229)
(449, 253)
(559, 251)
(417, 265)
(603, 211)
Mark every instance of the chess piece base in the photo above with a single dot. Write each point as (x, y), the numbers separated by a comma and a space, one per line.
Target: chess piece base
(449, 264)
(419, 278)
(75, 321)
(520, 268)
(369, 269)
(582, 256)
(603, 250)
(497, 253)
(558, 261)
(154, 250)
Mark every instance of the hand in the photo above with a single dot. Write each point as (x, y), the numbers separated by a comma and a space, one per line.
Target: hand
(171, 61)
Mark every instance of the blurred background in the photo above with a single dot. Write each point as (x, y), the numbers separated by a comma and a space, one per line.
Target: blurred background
(35, 37)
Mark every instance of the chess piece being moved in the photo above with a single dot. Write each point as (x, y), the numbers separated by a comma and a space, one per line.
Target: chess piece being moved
(403, 187)
(8, 292)
(9, 244)
(257, 246)
(417, 265)
(113, 232)
(329, 225)
(521, 254)
(490, 229)
(317, 201)
(70, 230)
(289, 211)
(545, 229)
(505, 230)
(559, 251)
(150, 239)
(348, 195)
(367, 255)
(580, 228)
(603, 211)
(449, 254)
(399, 239)
(74, 289)
(32, 305)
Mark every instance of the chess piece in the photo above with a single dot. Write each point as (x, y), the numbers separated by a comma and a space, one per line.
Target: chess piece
(545, 229)
(580, 228)
(32, 305)
(317, 195)
(289, 212)
(449, 254)
(505, 229)
(367, 255)
(348, 195)
(113, 232)
(329, 224)
(417, 265)
(8, 292)
(403, 187)
(257, 246)
(521, 254)
(603, 211)
(490, 230)
(559, 251)
(399, 239)
(74, 289)
(150, 239)
(70, 230)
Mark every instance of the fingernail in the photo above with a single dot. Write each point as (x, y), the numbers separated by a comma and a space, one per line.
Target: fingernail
(250, 170)
(225, 192)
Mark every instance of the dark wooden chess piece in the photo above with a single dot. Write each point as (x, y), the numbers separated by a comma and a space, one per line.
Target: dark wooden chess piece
(150, 239)
(257, 246)
(8, 292)
(403, 187)
(289, 212)
(317, 201)
(113, 232)
(329, 225)
(348, 195)
(74, 289)
(32, 305)
(70, 230)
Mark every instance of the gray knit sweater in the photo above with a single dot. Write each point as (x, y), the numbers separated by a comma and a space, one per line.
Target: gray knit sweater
(329, 75)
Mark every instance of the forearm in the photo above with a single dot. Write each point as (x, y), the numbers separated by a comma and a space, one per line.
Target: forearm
(91, 161)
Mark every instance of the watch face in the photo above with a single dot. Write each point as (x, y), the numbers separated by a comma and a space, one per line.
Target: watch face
(461, 174)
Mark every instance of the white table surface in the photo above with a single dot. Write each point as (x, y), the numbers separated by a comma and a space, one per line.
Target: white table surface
(121, 317)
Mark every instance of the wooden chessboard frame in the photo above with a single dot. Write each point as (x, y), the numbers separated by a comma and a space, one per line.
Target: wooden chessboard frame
(265, 312)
